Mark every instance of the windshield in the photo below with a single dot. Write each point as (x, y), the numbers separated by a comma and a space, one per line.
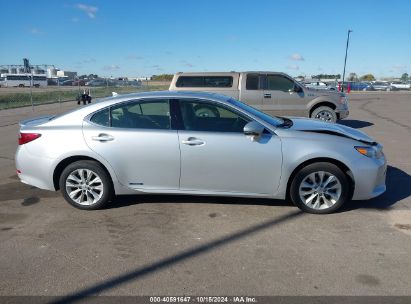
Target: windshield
(275, 121)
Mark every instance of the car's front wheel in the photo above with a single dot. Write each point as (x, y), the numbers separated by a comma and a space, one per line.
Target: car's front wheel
(320, 188)
(324, 113)
(86, 185)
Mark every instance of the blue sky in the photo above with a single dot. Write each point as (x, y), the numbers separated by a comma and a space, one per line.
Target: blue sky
(141, 38)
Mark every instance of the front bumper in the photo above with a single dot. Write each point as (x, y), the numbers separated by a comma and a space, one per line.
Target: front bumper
(369, 177)
(342, 111)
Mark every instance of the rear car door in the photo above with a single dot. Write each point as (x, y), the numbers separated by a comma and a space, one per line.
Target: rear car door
(216, 157)
(136, 138)
(285, 100)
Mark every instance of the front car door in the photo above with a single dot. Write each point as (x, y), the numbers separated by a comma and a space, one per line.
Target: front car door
(136, 138)
(288, 102)
(216, 157)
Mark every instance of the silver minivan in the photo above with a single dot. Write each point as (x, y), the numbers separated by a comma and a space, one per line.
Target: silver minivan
(272, 92)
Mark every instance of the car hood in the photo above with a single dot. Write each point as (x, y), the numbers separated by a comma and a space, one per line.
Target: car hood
(318, 126)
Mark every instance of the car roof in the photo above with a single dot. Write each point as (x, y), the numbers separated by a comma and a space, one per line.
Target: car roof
(165, 94)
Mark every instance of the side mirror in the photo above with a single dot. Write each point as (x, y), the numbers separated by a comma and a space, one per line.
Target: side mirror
(253, 128)
(297, 88)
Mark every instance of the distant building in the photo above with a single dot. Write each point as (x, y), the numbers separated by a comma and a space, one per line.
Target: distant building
(67, 74)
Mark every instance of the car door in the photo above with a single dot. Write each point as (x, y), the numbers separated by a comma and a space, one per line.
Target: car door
(216, 157)
(251, 89)
(287, 102)
(137, 140)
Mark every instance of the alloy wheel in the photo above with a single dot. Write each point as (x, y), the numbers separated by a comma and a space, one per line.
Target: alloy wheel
(84, 187)
(320, 190)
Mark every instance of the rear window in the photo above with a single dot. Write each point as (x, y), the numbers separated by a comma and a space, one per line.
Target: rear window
(205, 82)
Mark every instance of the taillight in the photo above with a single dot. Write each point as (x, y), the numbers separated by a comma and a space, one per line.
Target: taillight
(25, 138)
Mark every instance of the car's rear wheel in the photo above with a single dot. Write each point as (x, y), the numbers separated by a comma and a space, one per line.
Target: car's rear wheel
(320, 188)
(86, 185)
(324, 113)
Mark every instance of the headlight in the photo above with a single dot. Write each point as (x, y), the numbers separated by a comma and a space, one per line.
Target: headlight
(373, 152)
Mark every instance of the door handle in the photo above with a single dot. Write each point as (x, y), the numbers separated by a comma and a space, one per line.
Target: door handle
(102, 137)
(267, 95)
(192, 141)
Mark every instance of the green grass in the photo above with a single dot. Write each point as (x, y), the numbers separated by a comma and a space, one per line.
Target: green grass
(10, 100)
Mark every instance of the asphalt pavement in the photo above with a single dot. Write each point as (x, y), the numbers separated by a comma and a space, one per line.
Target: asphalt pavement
(184, 245)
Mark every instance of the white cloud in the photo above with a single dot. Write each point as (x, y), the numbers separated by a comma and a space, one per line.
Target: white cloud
(296, 57)
(88, 9)
(293, 67)
(75, 19)
(187, 64)
(399, 67)
(112, 67)
(134, 57)
(35, 31)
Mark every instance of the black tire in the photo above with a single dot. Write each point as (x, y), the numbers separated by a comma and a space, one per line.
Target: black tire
(106, 184)
(328, 168)
(323, 113)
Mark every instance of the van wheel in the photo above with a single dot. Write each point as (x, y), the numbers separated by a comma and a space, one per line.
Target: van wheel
(86, 185)
(324, 113)
(21, 85)
(320, 188)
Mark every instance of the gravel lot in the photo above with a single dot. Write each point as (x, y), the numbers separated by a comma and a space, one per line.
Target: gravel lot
(175, 245)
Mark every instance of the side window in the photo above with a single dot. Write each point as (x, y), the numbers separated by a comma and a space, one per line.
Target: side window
(149, 114)
(101, 118)
(279, 83)
(255, 82)
(204, 82)
(210, 117)
(252, 82)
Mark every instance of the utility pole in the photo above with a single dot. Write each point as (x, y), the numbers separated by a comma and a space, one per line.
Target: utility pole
(345, 60)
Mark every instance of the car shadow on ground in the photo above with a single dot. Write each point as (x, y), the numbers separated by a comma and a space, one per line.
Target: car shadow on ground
(127, 200)
(396, 191)
(356, 124)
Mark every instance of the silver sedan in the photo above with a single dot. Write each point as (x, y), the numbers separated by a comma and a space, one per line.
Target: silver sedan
(197, 144)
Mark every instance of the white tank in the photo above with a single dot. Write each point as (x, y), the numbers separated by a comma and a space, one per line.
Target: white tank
(51, 72)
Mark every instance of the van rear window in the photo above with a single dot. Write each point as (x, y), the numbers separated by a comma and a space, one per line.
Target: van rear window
(205, 82)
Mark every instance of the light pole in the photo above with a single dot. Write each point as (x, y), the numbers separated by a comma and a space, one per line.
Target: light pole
(345, 60)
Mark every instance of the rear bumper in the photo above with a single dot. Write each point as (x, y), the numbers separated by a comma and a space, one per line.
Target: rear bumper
(34, 171)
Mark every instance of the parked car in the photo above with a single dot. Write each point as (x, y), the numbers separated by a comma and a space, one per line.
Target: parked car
(80, 82)
(319, 85)
(382, 86)
(197, 144)
(68, 82)
(358, 86)
(400, 85)
(272, 92)
(97, 83)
